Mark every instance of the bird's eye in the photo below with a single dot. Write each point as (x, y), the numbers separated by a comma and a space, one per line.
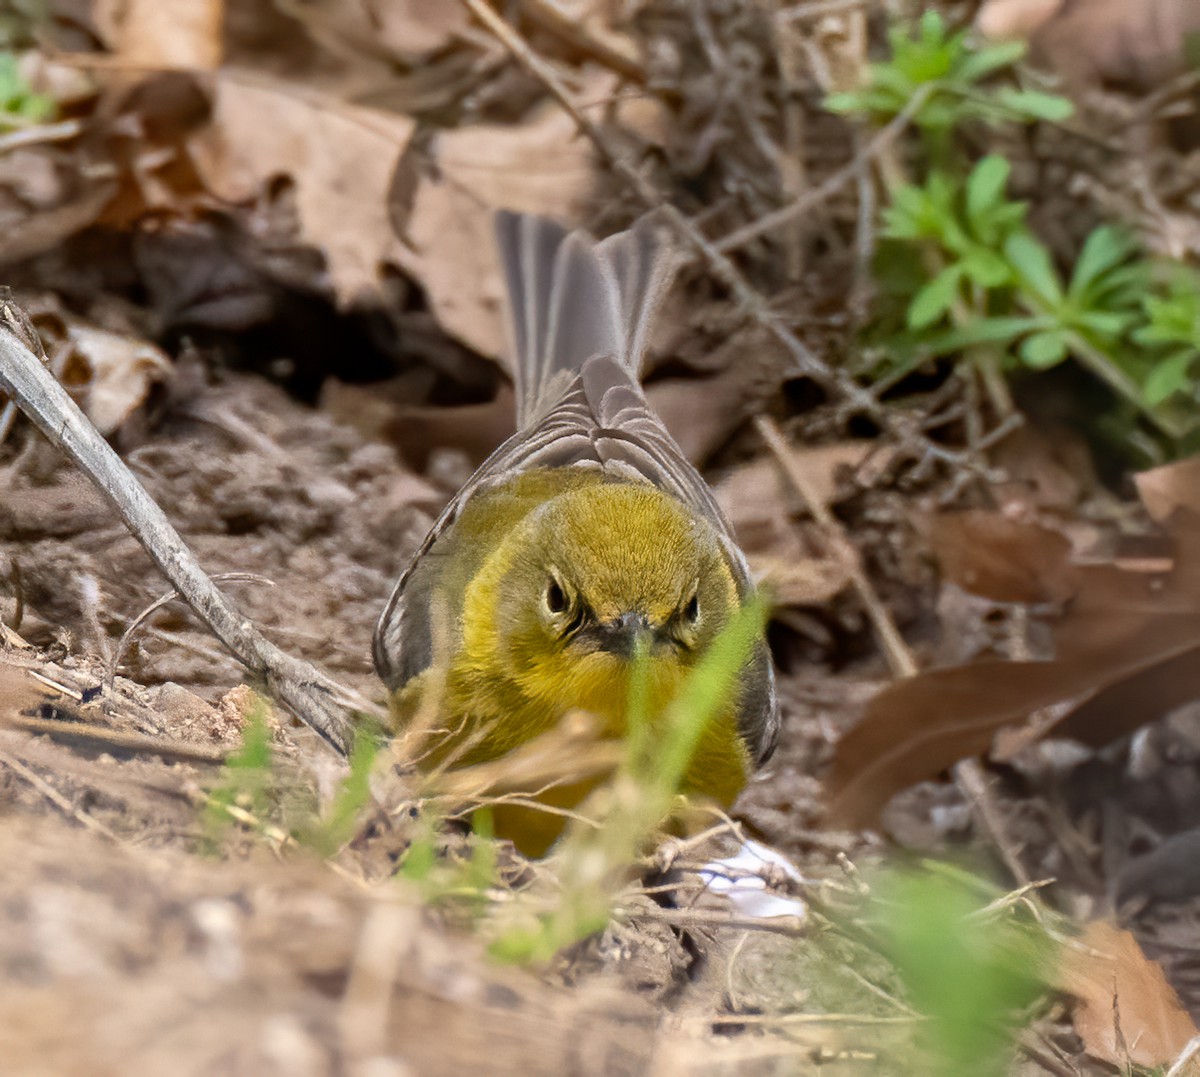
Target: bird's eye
(556, 598)
(691, 612)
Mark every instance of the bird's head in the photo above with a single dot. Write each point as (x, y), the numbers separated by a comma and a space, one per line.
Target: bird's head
(602, 573)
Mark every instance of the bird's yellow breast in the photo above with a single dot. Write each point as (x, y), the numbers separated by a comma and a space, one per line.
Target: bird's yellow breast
(501, 686)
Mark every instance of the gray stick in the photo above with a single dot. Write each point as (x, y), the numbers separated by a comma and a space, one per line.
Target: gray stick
(302, 688)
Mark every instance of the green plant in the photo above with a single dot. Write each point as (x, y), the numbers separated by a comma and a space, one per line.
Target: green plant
(244, 791)
(972, 970)
(964, 276)
(328, 833)
(20, 106)
(1171, 332)
(944, 79)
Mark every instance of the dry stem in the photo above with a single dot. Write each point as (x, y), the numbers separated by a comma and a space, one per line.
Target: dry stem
(306, 691)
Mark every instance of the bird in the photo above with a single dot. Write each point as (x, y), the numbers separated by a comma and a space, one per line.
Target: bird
(586, 539)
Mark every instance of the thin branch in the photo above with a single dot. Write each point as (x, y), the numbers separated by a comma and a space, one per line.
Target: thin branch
(899, 657)
(54, 796)
(835, 182)
(302, 688)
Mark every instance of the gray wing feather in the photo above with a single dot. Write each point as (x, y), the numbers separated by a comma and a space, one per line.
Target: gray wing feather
(581, 313)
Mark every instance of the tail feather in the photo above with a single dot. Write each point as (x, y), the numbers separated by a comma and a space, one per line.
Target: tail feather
(571, 298)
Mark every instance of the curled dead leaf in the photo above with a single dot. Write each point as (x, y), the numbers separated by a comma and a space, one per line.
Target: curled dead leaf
(1166, 489)
(183, 35)
(340, 158)
(118, 373)
(1111, 41)
(1125, 1011)
(808, 581)
(1015, 18)
(762, 507)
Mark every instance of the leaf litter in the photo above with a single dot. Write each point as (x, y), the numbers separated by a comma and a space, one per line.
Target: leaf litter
(331, 168)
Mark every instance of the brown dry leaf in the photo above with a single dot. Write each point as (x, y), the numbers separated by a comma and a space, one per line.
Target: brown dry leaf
(1050, 468)
(807, 581)
(1165, 489)
(403, 27)
(1141, 44)
(183, 34)
(760, 505)
(1113, 981)
(756, 494)
(542, 166)
(340, 157)
(991, 555)
(1007, 19)
(1128, 651)
(119, 372)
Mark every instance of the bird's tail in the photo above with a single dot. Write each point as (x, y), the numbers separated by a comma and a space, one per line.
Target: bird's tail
(571, 298)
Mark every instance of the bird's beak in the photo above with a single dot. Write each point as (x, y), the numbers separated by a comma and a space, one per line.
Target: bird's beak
(622, 635)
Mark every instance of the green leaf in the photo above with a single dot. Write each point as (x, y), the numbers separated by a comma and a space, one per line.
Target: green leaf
(998, 330)
(1044, 350)
(1035, 105)
(989, 60)
(1105, 323)
(933, 28)
(1105, 249)
(1034, 266)
(986, 268)
(1170, 376)
(848, 102)
(985, 186)
(935, 298)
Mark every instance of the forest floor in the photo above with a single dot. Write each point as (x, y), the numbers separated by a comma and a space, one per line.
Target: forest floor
(255, 240)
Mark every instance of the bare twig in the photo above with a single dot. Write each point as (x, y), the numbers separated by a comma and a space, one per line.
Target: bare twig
(597, 41)
(156, 605)
(54, 796)
(788, 926)
(97, 738)
(816, 8)
(308, 693)
(896, 651)
(835, 182)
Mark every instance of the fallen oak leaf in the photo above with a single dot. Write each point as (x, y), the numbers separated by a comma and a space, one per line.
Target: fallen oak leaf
(340, 157)
(1125, 1011)
(1123, 632)
(184, 34)
(1110, 41)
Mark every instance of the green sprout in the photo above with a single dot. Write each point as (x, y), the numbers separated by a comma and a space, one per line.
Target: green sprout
(20, 106)
(964, 277)
(951, 78)
(972, 972)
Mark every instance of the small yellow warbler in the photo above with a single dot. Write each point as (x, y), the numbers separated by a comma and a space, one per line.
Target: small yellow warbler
(585, 539)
